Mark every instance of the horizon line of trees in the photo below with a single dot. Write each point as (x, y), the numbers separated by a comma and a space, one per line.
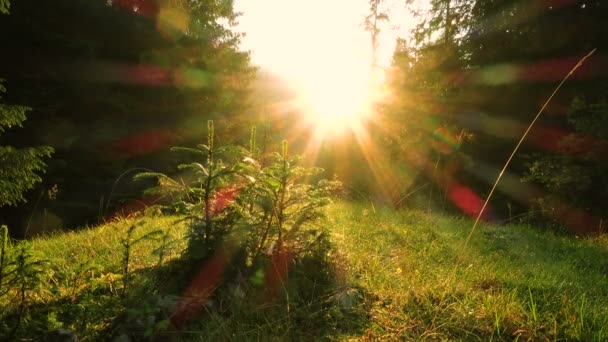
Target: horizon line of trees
(467, 83)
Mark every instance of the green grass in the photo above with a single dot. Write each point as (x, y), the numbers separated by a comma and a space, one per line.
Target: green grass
(511, 282)
(388, 276)
(82, 285)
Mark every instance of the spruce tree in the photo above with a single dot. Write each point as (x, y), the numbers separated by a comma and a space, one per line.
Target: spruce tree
(20, 166)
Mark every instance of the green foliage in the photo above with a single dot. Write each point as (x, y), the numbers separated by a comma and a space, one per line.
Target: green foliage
(128, 242)
(199, 188)
(5, 5)
(20, 166)
(264, 215)
(82, 288)
(470, 67)
(446, 22)
(253, 148)
(284, 204)
(4, 246)
(513, 282)
(386, 283)
(24, 275)
(578, 170)
(418, 124)
(177, 64)
(227, 194)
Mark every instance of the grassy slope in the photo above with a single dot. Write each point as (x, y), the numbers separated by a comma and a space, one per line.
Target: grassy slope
(512, 282)
(398, 276)
(84, 272)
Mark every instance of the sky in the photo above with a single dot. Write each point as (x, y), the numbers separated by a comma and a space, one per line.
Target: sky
(321, 50)
(298, 38)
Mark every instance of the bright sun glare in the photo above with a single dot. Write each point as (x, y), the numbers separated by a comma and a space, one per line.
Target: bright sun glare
(321, 47)
(334, 101)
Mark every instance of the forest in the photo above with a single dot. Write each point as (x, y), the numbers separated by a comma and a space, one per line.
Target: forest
(158, 184)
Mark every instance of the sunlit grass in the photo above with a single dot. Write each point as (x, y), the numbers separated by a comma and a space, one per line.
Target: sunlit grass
(392, 281)
(83, 282)
(99, 245)
(513, 282)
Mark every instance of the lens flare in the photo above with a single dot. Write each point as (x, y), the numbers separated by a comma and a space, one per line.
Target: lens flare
(335, 100)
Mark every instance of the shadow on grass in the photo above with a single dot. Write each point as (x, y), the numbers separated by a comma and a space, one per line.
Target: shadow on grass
(310, 303)
(525, 257)
(307, 300)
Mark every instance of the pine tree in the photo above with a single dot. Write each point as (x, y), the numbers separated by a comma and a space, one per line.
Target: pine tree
(172, 66)
(20, 166)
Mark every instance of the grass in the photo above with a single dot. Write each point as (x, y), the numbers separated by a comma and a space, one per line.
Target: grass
(512, 282)
(83, 280)
(386, 276)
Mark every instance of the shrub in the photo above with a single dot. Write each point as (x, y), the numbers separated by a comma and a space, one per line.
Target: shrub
(229, 195)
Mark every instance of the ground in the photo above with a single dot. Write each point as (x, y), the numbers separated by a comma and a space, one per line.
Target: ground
(386, 275)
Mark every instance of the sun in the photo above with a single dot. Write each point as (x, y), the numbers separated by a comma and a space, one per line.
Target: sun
(321, 50)
(335, 98)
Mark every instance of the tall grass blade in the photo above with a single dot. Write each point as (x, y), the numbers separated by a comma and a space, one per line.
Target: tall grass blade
(521, 140)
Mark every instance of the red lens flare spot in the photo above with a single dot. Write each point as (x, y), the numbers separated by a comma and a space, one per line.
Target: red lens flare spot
(133, 207)
(142, 143)
(223, 198)
(467, 200)
(276, 275)
(200, 289)
(148, 74)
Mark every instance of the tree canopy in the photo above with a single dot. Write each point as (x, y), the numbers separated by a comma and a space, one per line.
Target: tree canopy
(479, 70)
(114, 84)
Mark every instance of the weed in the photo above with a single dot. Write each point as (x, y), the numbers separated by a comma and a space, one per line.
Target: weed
(127, 243)
(25, 277)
